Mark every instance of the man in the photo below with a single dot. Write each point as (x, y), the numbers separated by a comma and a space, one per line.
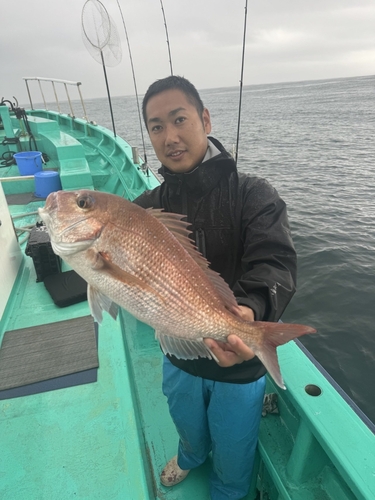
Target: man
(240, 225)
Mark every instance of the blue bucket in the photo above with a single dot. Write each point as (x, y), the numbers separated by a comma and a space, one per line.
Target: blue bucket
(46, 182)
(28, 162)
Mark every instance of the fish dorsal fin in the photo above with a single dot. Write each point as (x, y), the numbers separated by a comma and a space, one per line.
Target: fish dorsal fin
(172, 221)
(178, 227)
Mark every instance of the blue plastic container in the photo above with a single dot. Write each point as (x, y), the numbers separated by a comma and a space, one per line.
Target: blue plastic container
(28, 162)
(46, 182)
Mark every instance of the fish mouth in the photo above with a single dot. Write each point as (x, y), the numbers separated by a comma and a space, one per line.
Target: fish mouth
(47, 219)
(45, 212)
(44, 215)
(63, 249)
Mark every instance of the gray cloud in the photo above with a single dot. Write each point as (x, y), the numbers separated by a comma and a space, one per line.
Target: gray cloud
(286, 41)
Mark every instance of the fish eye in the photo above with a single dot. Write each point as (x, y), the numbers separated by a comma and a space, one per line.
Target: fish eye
(84, 201)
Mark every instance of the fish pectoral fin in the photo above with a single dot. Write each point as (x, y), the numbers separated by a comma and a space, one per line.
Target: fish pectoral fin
(100, 261)
(184, 348)
(99, 302)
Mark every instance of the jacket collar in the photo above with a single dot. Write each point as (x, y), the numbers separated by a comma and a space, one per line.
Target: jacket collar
(205, 175)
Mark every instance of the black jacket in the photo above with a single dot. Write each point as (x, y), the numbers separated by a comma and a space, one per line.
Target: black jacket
(240, 225)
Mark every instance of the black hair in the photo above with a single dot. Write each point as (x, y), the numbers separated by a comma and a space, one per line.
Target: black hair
(171, 83)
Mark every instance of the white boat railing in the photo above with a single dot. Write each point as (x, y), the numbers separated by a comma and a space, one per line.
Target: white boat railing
(54, 81)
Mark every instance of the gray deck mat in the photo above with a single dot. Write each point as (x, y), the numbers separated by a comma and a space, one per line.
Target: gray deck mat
(47, 351)
(21, 198)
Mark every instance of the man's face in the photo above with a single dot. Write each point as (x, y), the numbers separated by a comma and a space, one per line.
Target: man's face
(177, 132)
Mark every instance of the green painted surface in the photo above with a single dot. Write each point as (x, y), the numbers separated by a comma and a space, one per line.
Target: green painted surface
(145, 360)
(79, 442)
(317, 448)
(111, 439)
(8, 130)
(86, 156)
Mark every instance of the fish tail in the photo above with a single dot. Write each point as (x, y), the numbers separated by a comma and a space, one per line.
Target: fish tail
(273, 335)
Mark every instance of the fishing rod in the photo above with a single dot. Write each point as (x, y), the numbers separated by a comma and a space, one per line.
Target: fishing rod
(166, 32)
(241, 82)
(135, 87)
(133, 71)
(108, 93)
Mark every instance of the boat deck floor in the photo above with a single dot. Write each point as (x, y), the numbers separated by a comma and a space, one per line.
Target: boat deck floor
(110, 439)
(104, 440)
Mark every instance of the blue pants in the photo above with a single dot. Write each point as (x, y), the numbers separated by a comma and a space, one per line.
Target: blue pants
(219, 417)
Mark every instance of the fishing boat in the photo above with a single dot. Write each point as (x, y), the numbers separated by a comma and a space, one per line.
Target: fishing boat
(82, 413)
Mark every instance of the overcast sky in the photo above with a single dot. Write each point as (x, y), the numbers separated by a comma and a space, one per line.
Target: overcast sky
(287, 40)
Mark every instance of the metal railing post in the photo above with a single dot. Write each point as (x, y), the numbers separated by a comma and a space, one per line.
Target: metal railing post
(83, 104)
(57, 100)
(41, 91)
(53, 81)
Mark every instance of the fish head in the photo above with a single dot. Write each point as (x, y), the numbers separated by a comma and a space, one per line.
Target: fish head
(74, 219)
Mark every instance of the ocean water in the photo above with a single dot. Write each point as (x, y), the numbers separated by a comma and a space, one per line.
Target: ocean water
(314, 141)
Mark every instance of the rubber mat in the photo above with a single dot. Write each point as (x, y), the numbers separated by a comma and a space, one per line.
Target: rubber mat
(49, 351)
(21, 198)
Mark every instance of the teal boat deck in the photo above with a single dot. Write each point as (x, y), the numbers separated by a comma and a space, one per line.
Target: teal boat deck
(92, 441)
(78, 442)
(109, 440)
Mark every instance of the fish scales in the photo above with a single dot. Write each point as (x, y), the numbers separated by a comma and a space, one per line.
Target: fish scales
(142, 260)
(159, 268)
(166, 266)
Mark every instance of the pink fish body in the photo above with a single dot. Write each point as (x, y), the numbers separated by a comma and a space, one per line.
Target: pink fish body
(144, 261)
